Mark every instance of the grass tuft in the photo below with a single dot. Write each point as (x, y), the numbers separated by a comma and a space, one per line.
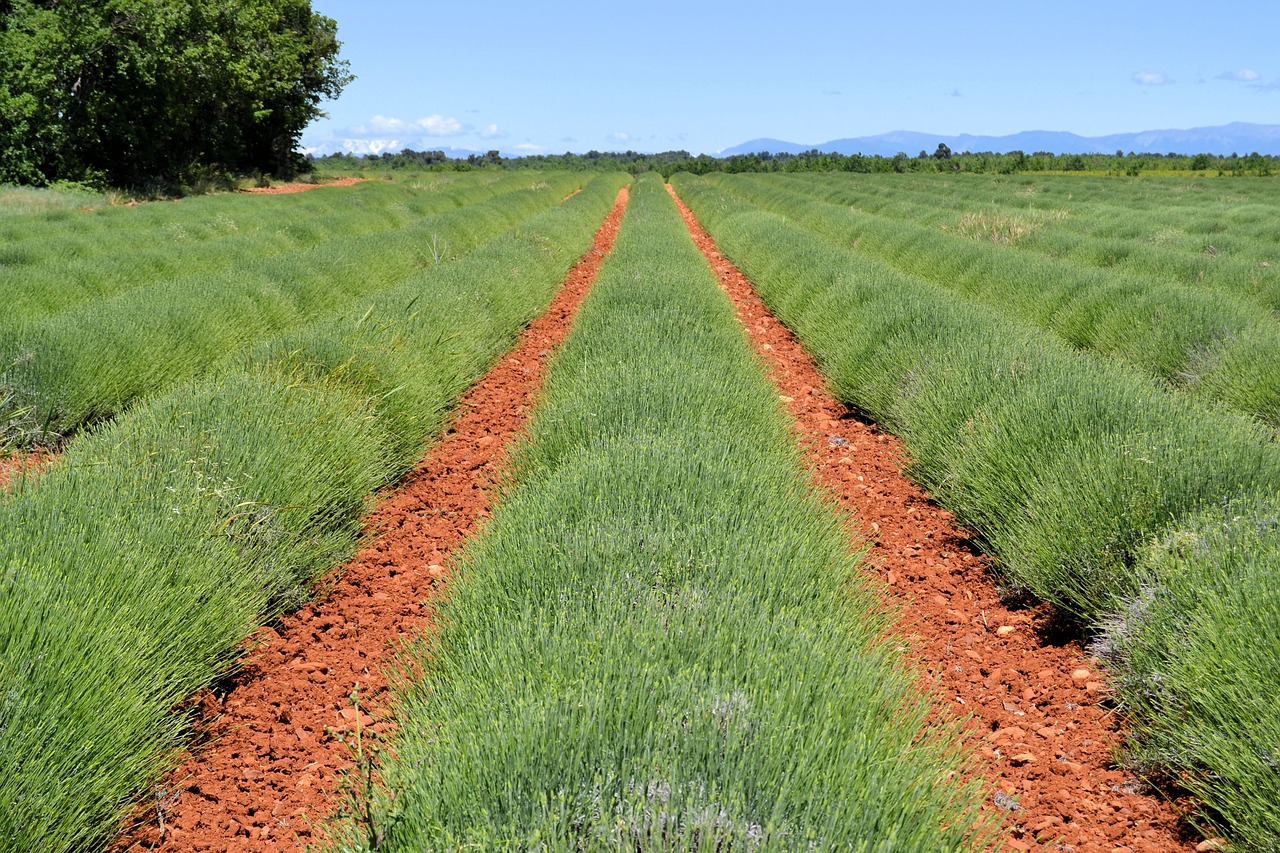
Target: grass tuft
(1195, 657)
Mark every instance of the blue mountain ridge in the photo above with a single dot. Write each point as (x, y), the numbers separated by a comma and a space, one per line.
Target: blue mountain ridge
(1234, 138)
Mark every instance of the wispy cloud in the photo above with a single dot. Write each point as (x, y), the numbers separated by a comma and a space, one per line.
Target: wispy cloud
(1151, 78)
(530, 148)
(492, 131)
(1244, 75)
(619, 136)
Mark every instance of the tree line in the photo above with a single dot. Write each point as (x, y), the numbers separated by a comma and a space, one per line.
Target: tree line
(941, 160)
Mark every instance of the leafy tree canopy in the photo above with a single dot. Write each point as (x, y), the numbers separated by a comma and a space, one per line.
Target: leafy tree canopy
(136, 91)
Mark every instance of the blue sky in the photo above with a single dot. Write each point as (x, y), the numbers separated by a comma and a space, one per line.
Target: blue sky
(703, 76)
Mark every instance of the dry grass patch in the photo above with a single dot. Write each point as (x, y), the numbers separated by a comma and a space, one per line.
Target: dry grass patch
(1165, 236)
(1003, 228)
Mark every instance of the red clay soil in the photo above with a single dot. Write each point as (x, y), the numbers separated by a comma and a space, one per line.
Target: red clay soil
(20, 468)
(1046, 741)
(301, 188)
(270, 766)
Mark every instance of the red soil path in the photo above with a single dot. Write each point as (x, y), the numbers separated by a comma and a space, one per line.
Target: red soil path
(1046, 743)
(301, 188)
(270, 767)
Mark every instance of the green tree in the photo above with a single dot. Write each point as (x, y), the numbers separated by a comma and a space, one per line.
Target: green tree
(136, 91)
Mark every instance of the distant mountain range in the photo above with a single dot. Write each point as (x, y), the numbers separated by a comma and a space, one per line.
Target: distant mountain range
(1234, 138)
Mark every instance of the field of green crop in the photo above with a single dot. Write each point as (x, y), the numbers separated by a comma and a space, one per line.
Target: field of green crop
(1096, 483)
(1195, 233)
(132, 568)
(662, 640)
(666, 615)
(162, 326)
(1216, 339)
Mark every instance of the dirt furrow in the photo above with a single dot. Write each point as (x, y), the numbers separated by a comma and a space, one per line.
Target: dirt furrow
(1046, 742)
(275, 743)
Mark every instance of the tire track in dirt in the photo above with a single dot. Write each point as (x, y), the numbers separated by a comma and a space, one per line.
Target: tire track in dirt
(269, 766)
(1046, 744)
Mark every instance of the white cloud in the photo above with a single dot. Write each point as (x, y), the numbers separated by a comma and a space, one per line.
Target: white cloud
(383, 133)
(619, 136)
(530, 148)
(368, 146)
(1244, 75)
(432, 125)
(1151, 78)
(438, 125)
(382, 123)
